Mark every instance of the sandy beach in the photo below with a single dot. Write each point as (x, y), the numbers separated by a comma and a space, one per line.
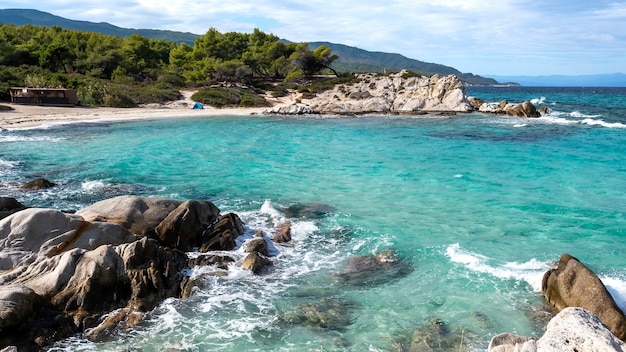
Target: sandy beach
(30, 116)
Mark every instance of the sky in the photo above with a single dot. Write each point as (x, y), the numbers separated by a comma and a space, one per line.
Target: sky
(496, 37)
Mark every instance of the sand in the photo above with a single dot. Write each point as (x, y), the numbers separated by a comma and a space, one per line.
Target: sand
(31, 116)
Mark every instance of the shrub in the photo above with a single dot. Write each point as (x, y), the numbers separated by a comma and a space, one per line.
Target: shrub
(220, 97)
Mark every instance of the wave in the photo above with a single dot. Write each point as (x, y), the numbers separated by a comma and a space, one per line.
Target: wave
(537, 101)
(17, 138)
(602, 123)
(530, 272)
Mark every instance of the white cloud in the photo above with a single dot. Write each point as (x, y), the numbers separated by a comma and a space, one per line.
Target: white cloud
(480, 36)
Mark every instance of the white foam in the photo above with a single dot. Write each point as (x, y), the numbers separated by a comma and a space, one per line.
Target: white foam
(537, 101)
(530, 272)
(593, 122)
(17, 138)
(92, 185)
(617, 288)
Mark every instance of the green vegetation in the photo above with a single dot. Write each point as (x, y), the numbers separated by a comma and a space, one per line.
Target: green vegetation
(109, 70)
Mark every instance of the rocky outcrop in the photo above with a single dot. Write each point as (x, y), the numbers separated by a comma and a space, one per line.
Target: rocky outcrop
(573, 329)
(9, 206)
(61, 272)
(572, 284)
(392, 93)
(524, 109)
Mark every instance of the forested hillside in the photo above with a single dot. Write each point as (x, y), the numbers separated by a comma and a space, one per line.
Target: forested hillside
(350, 59)
(113, 71)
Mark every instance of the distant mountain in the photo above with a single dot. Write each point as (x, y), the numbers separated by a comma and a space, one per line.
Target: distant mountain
(20, 17)
(351, 59)
(605, 80)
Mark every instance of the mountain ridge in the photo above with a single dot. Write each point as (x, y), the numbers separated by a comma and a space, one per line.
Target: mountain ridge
(351, 59)
(601, 80)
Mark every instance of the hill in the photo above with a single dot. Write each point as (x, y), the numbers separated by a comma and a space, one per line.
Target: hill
(351, 59)
(20, 17)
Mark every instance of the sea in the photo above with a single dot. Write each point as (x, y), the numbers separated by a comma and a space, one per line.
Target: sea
(475, 208)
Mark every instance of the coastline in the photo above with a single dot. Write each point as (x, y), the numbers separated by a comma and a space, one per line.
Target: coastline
(34, 116)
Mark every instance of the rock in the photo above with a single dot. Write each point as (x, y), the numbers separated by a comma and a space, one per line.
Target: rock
(435, 335)
(544, 111)
(475, 102)
(373, 270)
(140, 215)
(38, 183)
(325, 314)
(308, 211)
(282, 233)
(9, 206)
(121, 319)
(293, 109)
(572, 284)
(393, 93)
(222, 235)
(255, 262)
(524, 109)
(17, 304)
(576, 329)
(257, 245)
(81, 270)
(512, 343)
(183, 227)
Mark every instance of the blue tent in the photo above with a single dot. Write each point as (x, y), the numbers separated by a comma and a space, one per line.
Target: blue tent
(197, 105)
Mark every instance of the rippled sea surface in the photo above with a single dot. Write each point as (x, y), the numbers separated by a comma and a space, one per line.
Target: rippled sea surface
(475, 207)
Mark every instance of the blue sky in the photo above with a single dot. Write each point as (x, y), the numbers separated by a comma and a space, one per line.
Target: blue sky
(501, 37)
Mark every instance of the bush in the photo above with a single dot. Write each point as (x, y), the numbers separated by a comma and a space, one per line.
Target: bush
(220, 97)
(154, 94)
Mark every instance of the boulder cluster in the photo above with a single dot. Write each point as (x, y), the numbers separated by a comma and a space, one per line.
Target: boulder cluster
(400, 93)
(588, 318)
(60, 273)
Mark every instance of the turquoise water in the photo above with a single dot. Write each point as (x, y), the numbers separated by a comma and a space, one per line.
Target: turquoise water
(478, 206)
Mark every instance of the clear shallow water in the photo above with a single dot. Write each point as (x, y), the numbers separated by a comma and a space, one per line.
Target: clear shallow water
(478, 205)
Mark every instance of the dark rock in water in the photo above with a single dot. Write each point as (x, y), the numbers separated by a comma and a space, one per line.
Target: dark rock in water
(38, 183)
(308, 211)
(184, 226)
(221, 261)
(435, 335)
(373, 270)
(326, 314)
(255, 262)
(222, 235)
(9, 206)
(572, 284)
(257, 245)
(282, 233)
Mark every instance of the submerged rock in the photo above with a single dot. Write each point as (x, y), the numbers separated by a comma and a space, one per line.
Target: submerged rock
(38, 183)
(308, 211)
(326, 314)
(373, 270)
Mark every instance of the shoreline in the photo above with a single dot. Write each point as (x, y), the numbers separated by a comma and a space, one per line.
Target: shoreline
(35, 116)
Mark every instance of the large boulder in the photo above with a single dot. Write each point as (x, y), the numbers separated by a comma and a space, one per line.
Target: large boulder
(524, 109)
(9, 206)
(576, 329)
(184, 226)
(572, 284)
(37, 184)
(139, 215)
(223, 234)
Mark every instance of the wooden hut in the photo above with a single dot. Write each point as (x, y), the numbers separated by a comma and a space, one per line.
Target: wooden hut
(44, 96)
